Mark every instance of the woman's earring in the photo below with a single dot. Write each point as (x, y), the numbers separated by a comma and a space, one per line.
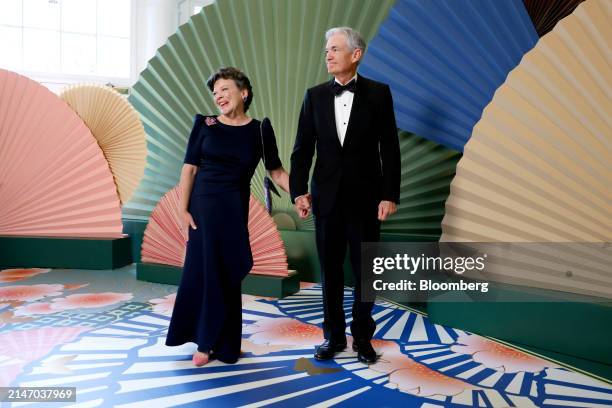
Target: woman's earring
(244, 99)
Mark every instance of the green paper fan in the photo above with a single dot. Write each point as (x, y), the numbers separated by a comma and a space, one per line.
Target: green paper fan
(277, 43)
(427, 171)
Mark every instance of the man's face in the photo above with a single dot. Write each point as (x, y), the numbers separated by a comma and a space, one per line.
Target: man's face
(338, 57)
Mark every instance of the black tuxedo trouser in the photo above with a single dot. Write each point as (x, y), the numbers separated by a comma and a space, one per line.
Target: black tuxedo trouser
(334, 232)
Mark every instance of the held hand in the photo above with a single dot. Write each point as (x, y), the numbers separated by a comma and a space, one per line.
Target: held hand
(385, 209)
(188, 221)
(302, 205)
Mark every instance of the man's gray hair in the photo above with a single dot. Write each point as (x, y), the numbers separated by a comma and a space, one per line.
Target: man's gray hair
(353, 38)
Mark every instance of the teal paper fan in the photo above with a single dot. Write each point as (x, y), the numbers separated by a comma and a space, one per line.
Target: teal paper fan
(427, 171)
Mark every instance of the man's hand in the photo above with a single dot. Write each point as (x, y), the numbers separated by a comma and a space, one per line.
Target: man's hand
(385, 209)
(302, 205)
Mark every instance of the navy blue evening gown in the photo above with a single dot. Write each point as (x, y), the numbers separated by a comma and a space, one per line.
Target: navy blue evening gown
(208, 308)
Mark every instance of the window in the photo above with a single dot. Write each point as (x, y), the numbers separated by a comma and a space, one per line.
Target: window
(80, 38)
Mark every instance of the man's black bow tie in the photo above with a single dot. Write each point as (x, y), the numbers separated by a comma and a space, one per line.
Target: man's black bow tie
(338, 89)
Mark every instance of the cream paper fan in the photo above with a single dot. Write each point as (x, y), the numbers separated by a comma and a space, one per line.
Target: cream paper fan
(164, 238)
(116, 126)
(538, 167)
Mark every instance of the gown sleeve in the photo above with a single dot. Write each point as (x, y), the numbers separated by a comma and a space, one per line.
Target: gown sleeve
(193, 155)
(270, 150)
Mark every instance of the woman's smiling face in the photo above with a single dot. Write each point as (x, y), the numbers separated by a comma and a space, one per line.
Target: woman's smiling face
(228, 97)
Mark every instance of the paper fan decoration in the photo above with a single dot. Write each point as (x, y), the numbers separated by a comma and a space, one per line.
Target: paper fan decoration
(269, 257)
(164, 238)
(444, 60)
(427, 171)
(54, 179)
(277, 43)
(545, 14)
(538, 165)
(117, 128)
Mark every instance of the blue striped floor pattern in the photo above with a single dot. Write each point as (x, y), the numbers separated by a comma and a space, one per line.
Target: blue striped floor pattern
(125, 364)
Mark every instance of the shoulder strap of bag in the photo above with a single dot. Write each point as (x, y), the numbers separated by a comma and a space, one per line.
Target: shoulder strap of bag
(263, 148)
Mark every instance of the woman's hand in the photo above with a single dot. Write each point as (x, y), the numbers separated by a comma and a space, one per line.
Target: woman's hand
(188, 221)
(188, 174)
(280, 178)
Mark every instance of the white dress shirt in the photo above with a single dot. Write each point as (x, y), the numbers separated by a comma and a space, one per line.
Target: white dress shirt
(342, 106)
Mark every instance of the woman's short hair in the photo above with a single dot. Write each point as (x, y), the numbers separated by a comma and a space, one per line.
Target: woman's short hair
(240, 79)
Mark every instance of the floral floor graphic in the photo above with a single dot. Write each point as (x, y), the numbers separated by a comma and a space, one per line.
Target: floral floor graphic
(103, 332)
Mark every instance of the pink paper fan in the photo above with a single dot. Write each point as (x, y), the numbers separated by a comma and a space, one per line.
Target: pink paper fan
(164, 238)
(269, 257)
(54, 179)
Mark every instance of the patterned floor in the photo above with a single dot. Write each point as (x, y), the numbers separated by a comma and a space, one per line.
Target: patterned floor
(103, 332)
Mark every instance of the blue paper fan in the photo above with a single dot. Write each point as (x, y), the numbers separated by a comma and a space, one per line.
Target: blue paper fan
(445, 59)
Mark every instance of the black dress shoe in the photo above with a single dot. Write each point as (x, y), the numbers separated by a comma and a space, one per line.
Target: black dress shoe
(365, 351)
(328, 349)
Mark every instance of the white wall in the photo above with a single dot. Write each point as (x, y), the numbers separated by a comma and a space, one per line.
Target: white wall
(155, 21)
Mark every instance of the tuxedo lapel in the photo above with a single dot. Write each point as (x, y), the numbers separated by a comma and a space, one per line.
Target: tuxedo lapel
(329, 112)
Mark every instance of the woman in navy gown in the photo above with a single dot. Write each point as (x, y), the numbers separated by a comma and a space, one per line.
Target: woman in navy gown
(222, 154)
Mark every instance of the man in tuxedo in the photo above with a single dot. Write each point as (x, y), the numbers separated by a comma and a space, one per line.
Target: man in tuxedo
(355, 184)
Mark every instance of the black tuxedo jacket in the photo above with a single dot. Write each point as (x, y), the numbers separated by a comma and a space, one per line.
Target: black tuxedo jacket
(366, 169)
